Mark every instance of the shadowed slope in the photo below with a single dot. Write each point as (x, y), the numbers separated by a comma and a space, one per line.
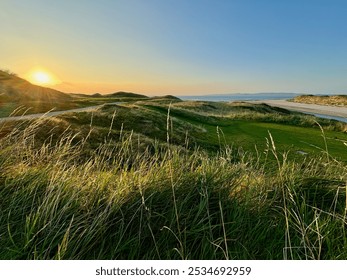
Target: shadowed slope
(15, 89)
(18, 97)
(17, 93)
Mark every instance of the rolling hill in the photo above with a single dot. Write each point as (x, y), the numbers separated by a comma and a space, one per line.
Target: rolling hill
(18, 97)
(15, 89)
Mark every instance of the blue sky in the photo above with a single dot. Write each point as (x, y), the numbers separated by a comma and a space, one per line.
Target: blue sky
(181, 46)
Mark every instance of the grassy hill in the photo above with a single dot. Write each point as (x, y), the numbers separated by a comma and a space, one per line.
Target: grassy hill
(16, 89)
(208, 125)
(172, 179)
(334, 100)
(18, 97)
(16, 92)
(122, 94)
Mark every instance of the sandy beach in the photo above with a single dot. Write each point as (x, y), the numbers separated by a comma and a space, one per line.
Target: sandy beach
(306, 108)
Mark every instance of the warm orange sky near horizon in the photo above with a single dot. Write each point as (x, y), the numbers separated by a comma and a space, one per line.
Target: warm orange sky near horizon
(178, 47)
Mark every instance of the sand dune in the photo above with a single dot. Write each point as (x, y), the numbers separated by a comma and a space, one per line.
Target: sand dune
(307, 108)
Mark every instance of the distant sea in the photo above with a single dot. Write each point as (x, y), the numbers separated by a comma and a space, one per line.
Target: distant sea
(240, 96)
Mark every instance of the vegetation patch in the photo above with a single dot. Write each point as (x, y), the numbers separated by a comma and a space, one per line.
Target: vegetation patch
(169, 180)
(333, 100)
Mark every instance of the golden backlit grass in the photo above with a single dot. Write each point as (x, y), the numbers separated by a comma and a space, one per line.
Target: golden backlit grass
(148, 200)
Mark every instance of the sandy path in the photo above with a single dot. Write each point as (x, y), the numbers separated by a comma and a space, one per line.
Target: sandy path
(306, 108)
(55, 113)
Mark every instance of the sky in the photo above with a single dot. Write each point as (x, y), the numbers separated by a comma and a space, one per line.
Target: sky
(180, 47)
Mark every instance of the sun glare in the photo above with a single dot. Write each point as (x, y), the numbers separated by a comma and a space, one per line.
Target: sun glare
(42, 78)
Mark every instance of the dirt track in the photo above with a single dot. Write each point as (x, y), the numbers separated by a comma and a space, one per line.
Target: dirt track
(54, 113)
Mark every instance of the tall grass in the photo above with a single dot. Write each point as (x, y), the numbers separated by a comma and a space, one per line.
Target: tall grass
(165, 202)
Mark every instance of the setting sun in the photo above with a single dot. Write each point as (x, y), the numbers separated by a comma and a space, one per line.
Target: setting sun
(42, 77)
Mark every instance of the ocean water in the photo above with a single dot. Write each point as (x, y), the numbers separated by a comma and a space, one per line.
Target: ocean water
(240, 96)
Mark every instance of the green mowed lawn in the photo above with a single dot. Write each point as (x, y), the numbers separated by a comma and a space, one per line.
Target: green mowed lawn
(286, 137)
(252, 135)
